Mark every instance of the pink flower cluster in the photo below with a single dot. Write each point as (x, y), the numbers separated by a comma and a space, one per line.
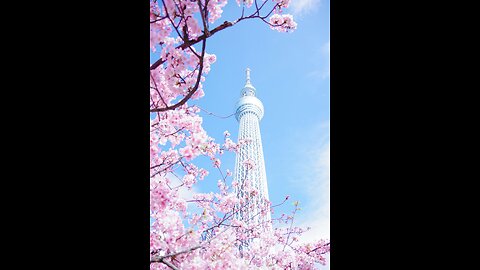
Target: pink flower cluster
(283, 3)
(283, 23)
(249, 164)
(247, 3)
(230, 145)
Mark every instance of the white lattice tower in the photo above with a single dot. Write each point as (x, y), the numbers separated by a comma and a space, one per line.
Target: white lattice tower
(249, 112)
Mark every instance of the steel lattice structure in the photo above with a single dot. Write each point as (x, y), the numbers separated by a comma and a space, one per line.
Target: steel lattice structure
(249, 112)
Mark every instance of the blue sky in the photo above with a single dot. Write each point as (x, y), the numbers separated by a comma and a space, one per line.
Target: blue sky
(291, 74)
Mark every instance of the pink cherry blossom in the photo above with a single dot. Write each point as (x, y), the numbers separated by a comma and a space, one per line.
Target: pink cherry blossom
(216, 162)
(188, 180)
(202, 173)
(249, 164)
(187, 152)
(283, 3)
(282, 23)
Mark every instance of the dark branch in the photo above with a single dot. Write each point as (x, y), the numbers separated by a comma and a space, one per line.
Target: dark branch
(185, 45)
(161, 258)
(192, 91)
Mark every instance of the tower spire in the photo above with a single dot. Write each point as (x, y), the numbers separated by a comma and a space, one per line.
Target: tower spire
(248, 89)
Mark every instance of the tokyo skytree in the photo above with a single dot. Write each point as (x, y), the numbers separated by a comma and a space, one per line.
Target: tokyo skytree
(249, 163)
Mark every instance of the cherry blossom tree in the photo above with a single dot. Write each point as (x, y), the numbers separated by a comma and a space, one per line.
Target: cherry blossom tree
(214, 237)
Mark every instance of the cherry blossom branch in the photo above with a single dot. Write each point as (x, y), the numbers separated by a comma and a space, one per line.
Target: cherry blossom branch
(171, 20)
(188, 43)
(203, 15)
(163, 169)
(263, 17)
(169, 264)
(251, 260)
(227, 216)
(158, 19)
(191, 42)
(192, 90)
(284, 200)
(291, 224)
(208, 33)
(327, 244)
(156, 89)
(161, 258)
(178, 130)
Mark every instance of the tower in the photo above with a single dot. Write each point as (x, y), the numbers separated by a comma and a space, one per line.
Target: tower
(249, 112)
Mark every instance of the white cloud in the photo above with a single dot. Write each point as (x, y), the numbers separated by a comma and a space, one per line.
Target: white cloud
(313, 182)
(322, 57)
(319, 74)
(300, 7)
(184, 193)
(176, 182)
(317, 213)
(326, 48)
(326, 51)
